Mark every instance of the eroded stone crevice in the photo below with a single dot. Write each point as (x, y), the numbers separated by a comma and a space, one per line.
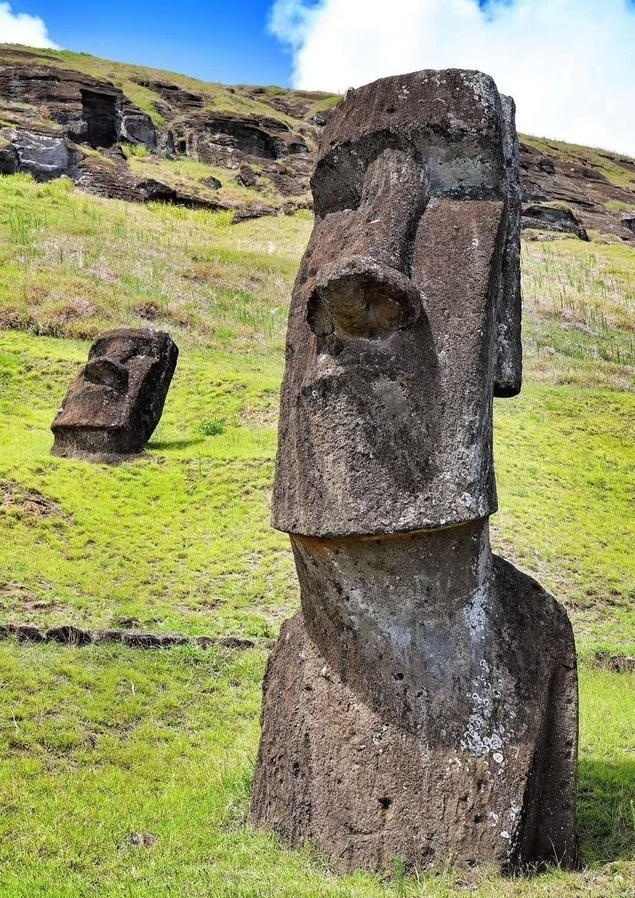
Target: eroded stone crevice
(101, 116)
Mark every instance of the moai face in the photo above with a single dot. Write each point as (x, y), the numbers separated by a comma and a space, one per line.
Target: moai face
(405, 319)
(116, 401)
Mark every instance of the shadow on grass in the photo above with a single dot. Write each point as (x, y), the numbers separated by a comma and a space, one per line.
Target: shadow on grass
(175, 444)
(606, 810)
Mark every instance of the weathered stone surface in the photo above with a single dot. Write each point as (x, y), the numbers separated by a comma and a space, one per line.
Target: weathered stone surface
(156, 191)
(212, 182)
(173, 94)
(68, 634)
(247, 176)
(420, 275)
(116, 401)
(419, 721)
(226, 139)
(618, 663)
(424, 701)
(92, 110)
(107, 175)
(508, 372)
(251, 212)
(9, 160)
(136, 127)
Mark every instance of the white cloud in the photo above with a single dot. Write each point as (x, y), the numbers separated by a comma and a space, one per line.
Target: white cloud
(21, 28)
(569, 64)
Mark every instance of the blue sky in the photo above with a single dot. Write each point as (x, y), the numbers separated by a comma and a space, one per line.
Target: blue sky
(215, 41)
(569, 64)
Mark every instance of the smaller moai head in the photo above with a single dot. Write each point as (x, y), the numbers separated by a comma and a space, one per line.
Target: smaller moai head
(405, 317)
(116, 400)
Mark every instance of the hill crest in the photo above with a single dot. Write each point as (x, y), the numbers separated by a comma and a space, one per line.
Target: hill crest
(137, 133)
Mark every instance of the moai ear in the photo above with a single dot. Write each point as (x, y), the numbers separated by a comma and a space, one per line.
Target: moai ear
(509, 354)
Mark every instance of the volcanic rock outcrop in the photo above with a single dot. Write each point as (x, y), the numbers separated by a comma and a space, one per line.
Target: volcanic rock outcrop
(592, 184)
(423, 703)
(552, 218)
(59, 120)
(83, 108)
(116, 400)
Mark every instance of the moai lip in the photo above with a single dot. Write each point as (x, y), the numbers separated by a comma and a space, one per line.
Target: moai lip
(423, 703)
(115, 402)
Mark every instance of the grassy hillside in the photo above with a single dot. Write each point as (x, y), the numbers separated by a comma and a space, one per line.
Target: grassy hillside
(179, 107)
(135, 82)
(571, 154)
(126, 772)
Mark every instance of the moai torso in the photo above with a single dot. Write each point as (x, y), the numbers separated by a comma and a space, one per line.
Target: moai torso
(424, 702)
(116, 400)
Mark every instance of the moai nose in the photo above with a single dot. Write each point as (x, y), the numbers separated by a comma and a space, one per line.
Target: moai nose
(362, 298)
(369, 293)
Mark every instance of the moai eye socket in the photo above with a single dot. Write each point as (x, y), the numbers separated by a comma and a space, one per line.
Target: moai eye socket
(107, 373)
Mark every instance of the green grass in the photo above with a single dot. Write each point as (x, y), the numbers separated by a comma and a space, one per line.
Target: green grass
(566, 469)
(568, 524)
(187, 175)
(197, 503)
(72, 265)
(101, 743)
(133, 80)
(620, 206)
(580, 309)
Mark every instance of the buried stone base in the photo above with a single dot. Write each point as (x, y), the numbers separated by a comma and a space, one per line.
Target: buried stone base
(461, 748)
(97, 444)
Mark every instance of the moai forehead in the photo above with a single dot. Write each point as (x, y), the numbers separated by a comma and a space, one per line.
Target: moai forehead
(451, 121)
(404, 313)
(116, 400)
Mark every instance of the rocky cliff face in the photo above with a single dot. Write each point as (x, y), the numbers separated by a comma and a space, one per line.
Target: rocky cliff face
(579, 190)
(253, 147)
(139, 134)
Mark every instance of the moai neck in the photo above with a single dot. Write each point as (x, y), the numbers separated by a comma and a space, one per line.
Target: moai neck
(454, 563)
(376, 607)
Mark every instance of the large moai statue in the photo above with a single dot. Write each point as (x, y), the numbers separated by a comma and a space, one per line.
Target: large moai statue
(115, 402)
(423, 703)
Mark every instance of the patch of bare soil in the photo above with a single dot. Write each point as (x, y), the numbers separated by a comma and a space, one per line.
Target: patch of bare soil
(30, 502)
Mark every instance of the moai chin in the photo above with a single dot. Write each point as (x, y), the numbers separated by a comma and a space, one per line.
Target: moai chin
(115, 402)
(423, 703)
